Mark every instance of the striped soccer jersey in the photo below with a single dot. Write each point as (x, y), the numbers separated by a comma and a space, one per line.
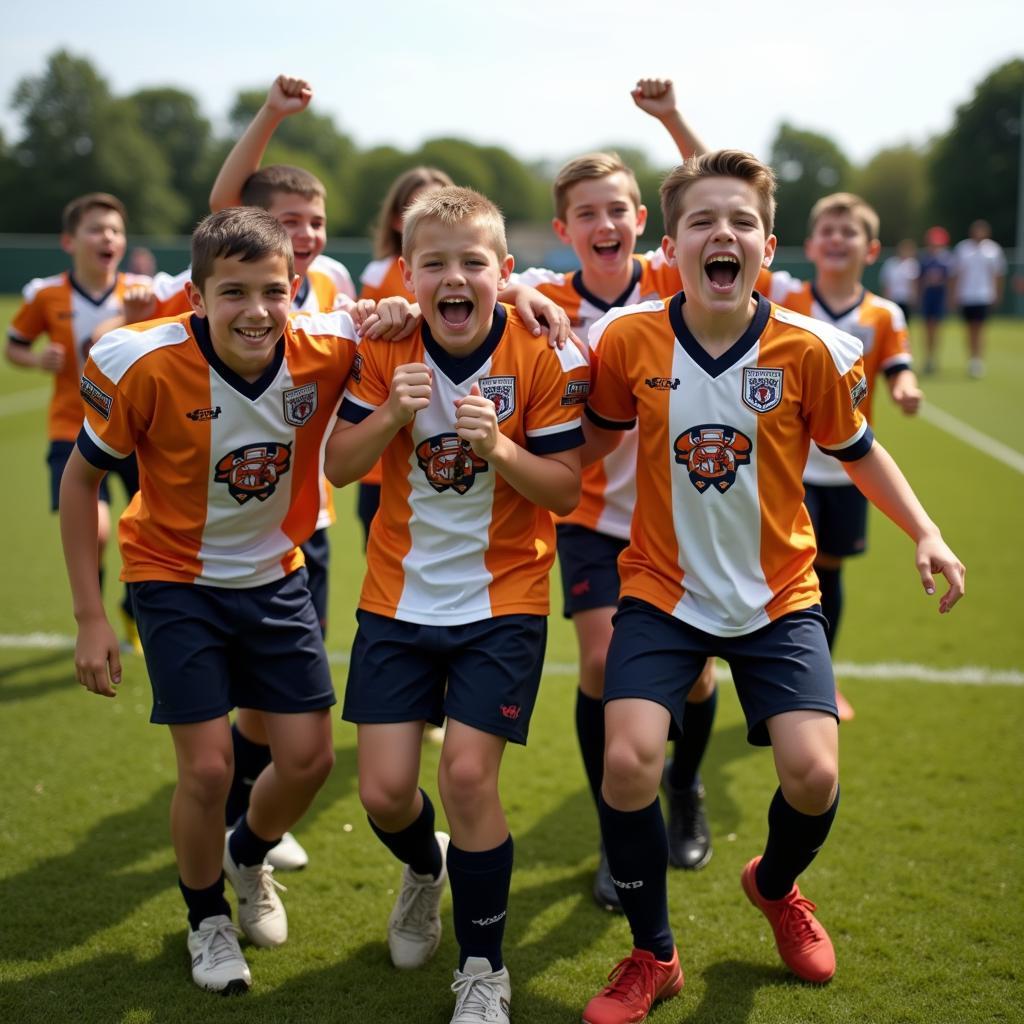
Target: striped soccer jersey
(721, 538)
(228, 469)
(59, 307)
(880, 327)
(453, 542)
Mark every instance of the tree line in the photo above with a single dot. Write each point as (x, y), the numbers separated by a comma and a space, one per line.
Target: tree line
(158, 152)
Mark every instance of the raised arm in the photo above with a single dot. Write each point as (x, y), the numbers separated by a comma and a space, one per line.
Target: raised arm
(657, 97)
(286, 96)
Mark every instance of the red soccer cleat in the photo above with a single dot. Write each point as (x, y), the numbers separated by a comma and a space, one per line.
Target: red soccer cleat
(802, 942)
(634, 986)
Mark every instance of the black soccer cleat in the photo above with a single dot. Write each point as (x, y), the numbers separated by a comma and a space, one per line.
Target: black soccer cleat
(689, 838)
(606, 896)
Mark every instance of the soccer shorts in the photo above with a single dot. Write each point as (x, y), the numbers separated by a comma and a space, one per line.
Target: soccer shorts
(317, 552)
(589, 568)
(839, 516)
(57, 458)
(975, 313)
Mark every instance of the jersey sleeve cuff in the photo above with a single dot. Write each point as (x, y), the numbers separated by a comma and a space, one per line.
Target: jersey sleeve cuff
(352, 411)
(898, 366)
(560, 441)
(17, 339)
(855, 449)
(605, 424)
(94, 454)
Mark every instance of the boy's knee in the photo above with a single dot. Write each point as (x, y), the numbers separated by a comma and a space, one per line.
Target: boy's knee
(307, 767)
(628, 765)
(207, 778)
(812, 788)
(592, 673)
(465, 780)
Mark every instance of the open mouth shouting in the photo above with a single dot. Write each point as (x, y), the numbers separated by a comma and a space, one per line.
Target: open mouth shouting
(455, 312)
(722, 269)
(608, 250)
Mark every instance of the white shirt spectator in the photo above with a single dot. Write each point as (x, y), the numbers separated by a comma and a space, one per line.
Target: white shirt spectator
(899, 279)
(977, 265)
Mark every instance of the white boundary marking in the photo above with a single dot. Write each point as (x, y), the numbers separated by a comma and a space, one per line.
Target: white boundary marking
(963, 675)
(23, 401)
(970, 435)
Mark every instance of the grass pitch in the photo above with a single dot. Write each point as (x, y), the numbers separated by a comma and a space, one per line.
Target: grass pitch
(919, 884)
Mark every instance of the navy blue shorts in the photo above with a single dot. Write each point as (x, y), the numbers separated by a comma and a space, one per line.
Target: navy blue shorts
(784, 666)
(590, 568)
(485, 674)
(317, 552)
(975, 314)
(933, 303)
(211, 649)
(367, 504)
(839, 516)
(57, 458)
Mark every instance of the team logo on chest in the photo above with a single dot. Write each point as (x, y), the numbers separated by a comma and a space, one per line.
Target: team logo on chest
(448, 461)
(762, 387)
(712, 452)
(253, 471)
(502, 392)
(299, 404)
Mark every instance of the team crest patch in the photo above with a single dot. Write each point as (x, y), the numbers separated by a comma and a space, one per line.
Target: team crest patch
(762, 388)
(712, 452)
(448, 461)
(253, 471)
(356, 373)
(662, 383)
(502, 392)
(299, 404)
(96, 397)
(576, 392)
(859, 391)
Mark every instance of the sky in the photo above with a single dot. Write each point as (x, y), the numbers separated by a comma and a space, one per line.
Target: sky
(548, 79)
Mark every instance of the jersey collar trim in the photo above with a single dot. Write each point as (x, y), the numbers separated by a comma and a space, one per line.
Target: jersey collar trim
(693, 348)
(89, 298)
(301, 295)
(833, 314)
(458, 369)
(252, 391)
(622, 300)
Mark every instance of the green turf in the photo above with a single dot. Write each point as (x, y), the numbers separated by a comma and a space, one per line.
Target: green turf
(920, 883)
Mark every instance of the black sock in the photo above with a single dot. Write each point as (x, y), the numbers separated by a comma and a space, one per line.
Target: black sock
(416, 844)
(247, 848)
(831, 583)
(250, 759)
(794, 840)
(637, 849)
(480, 884)
(689, 751)
(590, 733)
(204, 903)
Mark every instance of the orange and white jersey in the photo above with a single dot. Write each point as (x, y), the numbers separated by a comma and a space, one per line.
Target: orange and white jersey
(381, 279)
(881, 328)
(720, 537)
(59, 307)
(228, 469)
(453, 542)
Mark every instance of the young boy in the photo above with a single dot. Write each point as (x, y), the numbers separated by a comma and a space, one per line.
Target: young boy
(727, 391)
(68, 308)
(599, 213)
(478, 425)
(226, 409)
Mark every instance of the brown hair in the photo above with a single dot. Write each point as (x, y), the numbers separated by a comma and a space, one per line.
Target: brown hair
(845, 202)
(586, 168)
(243, 231)
(78, 208)
(452, 206)
(263, 186)
(722, 163)
(387, 241)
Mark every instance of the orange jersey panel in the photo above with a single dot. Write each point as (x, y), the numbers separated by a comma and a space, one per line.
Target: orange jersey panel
(720, 538)
(453, 542)
(381, 279)
(228, 470)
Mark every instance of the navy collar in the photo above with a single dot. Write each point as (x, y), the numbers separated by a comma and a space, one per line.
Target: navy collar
(460, 368)
(832, 313)
(696, 351)
(251, 390)
(300, 295)
(622, 300)
(89, 298)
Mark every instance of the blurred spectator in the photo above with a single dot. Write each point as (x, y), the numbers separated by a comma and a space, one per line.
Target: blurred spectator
(141, 261)
(934, 269)
(899, 276)
(979, 269)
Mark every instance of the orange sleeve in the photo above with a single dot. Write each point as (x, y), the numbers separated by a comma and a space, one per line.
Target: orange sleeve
(29, 321)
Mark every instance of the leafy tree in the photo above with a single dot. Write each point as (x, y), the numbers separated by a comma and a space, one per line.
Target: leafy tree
(895, 182)
(975, 165)
(808, 166)
(464, 163)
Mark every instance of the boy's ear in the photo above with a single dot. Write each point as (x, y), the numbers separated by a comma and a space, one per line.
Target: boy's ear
(641, 219)
(874, 249)
(67, 242)
(296, 282)
(560, 229)
(668, 247)
(406, 274)
(195, 299)
(505, 271)
(770, 244)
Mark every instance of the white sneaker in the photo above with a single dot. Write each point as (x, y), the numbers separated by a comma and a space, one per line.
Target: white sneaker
(217, 962)
(414, 925)
(975, 369)
(482, 996)
(288, 855)
(260, 910)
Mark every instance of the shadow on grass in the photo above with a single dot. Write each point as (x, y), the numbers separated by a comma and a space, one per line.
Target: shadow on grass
(12, 690)
(726, 746)
(729, 992)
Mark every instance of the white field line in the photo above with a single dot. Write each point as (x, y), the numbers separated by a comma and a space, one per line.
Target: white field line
(965, 675)
(973, 437)
(23, 401)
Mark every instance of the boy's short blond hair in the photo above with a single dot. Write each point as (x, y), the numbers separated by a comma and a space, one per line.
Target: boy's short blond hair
(722, 163)
(845, 202)
(387, 241)
(243, 231)
(587, 168)
(263, 186)
(451, 206)
(73, 213)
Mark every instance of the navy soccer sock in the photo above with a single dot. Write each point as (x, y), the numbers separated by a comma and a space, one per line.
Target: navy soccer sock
(247, 848)
(689, 750)
(794, 840)
(416, 844)
(250, 759)
(204, 903)
(831, 583)
(637, 849)
(480, 884)
(590, 733)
